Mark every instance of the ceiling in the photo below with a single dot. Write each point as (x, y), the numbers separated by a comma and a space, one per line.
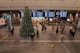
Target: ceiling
(40, 4)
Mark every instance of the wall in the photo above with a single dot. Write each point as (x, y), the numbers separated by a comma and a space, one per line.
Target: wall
(40, 4)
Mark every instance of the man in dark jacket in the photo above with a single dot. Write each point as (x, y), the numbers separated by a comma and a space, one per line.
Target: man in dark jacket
(32, 36)
(72, 32)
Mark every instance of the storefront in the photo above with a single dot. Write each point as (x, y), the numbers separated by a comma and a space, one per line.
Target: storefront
(39, 15)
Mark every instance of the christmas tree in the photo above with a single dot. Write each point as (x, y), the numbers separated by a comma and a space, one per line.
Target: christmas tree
(27, 27)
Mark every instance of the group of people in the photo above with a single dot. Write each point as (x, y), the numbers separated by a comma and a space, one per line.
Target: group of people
(35, 34)
(43, 28)
(61, 32)
(60, 28)
(71, 32)
(57, 29)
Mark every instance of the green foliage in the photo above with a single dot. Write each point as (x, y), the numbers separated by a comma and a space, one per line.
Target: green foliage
(27, 26)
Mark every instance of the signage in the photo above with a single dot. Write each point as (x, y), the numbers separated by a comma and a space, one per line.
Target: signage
(51, 14)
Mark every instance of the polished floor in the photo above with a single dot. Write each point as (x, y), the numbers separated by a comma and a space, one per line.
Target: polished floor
(48, 42)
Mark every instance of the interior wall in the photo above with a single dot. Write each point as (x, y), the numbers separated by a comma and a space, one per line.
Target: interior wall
(40, 4)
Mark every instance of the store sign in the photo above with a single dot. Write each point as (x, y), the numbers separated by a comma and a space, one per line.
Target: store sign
(63, 13)
(39, 14)
(57, 14)
(51, 14)
(45, 13)
(33, 13)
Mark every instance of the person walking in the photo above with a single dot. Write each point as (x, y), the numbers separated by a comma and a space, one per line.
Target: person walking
(62, 36)
(12, 31)
(32, 37)
(57, 30)
(72, 32)
(42, 28)
(37, 33)
(45, 28)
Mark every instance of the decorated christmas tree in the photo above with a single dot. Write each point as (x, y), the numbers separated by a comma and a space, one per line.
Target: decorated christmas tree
(27, 27)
